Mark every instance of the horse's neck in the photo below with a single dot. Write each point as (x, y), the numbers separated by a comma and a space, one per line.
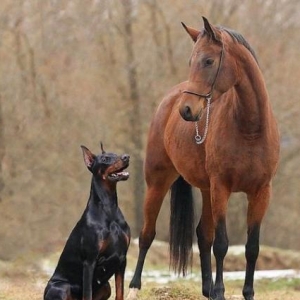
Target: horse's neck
(252, 103)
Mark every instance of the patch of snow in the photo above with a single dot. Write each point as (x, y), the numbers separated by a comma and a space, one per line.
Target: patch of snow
(164, 277)
(236, 250)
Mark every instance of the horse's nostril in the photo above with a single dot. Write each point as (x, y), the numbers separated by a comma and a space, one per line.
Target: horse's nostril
(187, 113)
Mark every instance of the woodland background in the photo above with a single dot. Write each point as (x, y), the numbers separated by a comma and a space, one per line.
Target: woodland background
(76, 72)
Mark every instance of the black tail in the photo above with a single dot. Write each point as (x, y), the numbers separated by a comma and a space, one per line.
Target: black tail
(181, 225)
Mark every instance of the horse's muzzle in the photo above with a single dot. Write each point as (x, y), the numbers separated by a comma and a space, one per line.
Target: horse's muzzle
(187, 114)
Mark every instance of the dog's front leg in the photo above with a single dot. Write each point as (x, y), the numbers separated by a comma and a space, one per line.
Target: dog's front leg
(119, 280)
(88, 271)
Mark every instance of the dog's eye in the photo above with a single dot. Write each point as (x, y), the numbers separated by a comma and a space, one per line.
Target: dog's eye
(103, 159)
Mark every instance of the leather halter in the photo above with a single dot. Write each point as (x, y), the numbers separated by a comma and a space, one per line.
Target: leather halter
(209, 94)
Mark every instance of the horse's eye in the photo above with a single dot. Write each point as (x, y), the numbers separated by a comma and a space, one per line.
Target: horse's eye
(209, 62)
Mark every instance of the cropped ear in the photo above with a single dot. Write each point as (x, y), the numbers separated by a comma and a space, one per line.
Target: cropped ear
(193, 33)
(102, 149)
(212, 32)
(88, 157)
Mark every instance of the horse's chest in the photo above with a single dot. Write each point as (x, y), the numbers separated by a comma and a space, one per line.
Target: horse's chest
(187, 157)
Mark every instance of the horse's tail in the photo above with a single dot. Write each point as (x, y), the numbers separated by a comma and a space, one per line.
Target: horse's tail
(181, 225)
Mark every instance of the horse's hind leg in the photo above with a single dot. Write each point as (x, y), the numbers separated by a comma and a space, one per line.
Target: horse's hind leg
(257, 207)
(158, 183)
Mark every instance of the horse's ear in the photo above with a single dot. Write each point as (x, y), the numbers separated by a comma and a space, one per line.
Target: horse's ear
(88, 157)
(193, 33)
(211, 31)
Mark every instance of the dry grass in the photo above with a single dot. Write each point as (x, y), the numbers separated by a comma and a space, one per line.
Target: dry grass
(32, 289)
(24, 279)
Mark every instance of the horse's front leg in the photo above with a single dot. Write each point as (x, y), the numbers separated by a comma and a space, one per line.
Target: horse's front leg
(152, 206)
(205, 235)
(156, 190)
(257, 206)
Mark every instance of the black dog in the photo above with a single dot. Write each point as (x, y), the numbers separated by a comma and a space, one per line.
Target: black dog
(97, 247)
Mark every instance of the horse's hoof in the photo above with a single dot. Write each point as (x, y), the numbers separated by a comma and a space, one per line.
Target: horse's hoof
(236, 297)
(217, 298)
(132, 295)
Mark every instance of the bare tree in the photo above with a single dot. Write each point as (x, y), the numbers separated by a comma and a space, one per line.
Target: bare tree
(76, 72)
(134, 112)
(2, 146)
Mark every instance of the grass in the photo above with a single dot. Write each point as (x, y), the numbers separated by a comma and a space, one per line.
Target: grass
(24, 280)
(30, 286)
(190, 290)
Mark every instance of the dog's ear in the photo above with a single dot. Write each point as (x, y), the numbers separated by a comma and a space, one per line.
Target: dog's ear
(88, 157)
(102, 149)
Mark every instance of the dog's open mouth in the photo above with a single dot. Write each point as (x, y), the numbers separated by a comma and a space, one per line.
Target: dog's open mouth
(119, 175)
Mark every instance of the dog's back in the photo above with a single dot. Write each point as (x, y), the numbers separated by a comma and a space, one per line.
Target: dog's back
(97, 246)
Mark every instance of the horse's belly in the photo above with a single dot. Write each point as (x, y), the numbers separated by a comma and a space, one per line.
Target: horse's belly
(241, 175)
(194, 174)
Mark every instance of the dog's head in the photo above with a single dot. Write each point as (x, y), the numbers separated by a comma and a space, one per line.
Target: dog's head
(107, 166)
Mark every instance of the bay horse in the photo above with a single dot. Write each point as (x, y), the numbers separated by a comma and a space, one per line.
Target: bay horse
(215, 131)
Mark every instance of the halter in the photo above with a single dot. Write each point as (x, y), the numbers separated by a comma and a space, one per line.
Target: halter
(208, 97)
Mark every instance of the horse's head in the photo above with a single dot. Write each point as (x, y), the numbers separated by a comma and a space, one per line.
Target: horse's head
(209, 76)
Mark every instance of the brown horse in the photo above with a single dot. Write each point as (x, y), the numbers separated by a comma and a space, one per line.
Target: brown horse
(226, 104)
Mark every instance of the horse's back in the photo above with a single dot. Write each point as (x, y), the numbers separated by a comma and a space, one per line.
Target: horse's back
(166, 106)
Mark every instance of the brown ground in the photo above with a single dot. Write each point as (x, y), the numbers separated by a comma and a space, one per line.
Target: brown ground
(24, 280)
(32, 289)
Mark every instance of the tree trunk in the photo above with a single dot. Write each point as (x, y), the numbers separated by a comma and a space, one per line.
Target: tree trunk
(135, 132)
(2, 147)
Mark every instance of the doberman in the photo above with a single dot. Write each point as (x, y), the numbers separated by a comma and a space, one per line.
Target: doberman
(97, 247)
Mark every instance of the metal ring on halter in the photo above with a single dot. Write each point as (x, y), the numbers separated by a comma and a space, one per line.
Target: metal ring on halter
(198, 138)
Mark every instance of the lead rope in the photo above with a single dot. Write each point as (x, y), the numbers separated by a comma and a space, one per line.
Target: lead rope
(200, 139)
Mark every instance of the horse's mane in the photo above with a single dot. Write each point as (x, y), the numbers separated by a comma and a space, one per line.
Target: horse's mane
(240, 39)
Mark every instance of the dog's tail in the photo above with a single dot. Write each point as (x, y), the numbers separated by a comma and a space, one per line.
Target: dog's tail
(181, 226)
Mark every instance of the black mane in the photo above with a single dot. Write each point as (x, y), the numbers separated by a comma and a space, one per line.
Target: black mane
(240, 39)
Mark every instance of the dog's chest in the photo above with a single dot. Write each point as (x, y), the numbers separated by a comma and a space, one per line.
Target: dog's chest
(112, 251)
(114, 238)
